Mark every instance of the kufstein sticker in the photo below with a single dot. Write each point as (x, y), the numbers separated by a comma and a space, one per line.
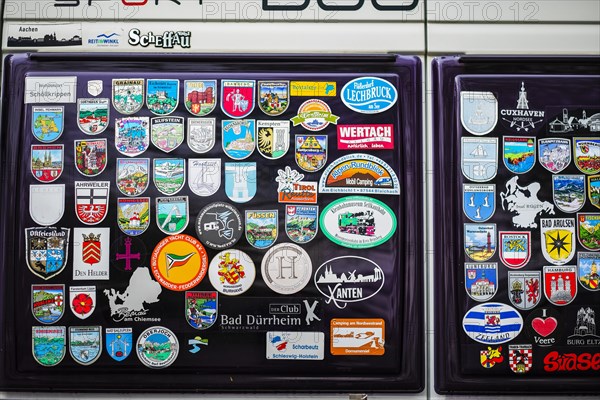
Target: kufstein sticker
(85, 343)
(478, 112)
(134, 302)
(166, 133)
(46, 203)
(313, 89)
(286, 268)
(492, 323)
(200, 97)
(93, 115)
(295, 346)
(179, 262)
(232, 272)
(50, 89)
(128, 95)
(314, 115)
(47, 123)
(357, 337)
(359, 173)
(219, 225)
(47, 303)
(46, 250)
(157, 347)
(48, 344)
(91, 251)
(47, 162)
(369, 95)
(522, 118)
(560, 284)
(365, 137)
(358, 222)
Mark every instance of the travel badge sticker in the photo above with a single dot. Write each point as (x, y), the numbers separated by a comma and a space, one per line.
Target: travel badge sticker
(91, 253)
(273, 97)
(519, 153)
(515, 248)
(554, 154)
(522, 119)
(301, 222)
(46, 203)
(91, 201)
(179, 262)
(47, 162)
(558, 239)
(311, 152)
(82, 300)
(200, 96)
(480, 241)
(286, 268)
(481, 280)
(365, 137)
(574, 120)
(262, 227)
(201, 309)
(48, 344)
(47, 123)
(357, 337)
(92, 115)
(588, 265)
(168, 175)
(568, 192)
(588, 230)
(237, 97)
(127, 95)
(587, 154)
(130, 252)
(95, 87)
(314, 115)
(272, 138)
(369, 95)
(238, 138)
(47, 250)
(542, 325)
(172, 214)
(492, 323)
(132, 175)
(232, 272)
(118, 342)
(157, 347)
(219, 225)
(584, 331)
(90, 156)
(478, 112)
(135, 300)
(520, 358)
(292, 189)
(132, 135)
(524, 288)
(47, 303)
(479, 201)
(479, 158)
(166, 133)
(204, 175)
(490, 357)
(240, 181)
(524, 203)
(133, 215)
(162, 95)
(593, 185)
(85, 343)
(560, 284)
(201, 135)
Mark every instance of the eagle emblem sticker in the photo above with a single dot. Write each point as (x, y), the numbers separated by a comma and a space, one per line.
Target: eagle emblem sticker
(273, 138)
(91, 201)
(478, 112)
(47, 250)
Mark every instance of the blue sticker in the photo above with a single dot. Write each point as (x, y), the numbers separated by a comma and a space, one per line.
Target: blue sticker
(369, 95)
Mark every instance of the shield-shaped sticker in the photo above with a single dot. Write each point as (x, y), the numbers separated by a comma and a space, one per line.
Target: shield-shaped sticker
(172, 214)
(520, 358)
(560, 284)
(162, 95)
(554, 154)
(558, 239)
(515, 248)
(201, 309)
(46, 203)
(479, 201)
(166, 133)
(311, 152)
(90, 156)
(91, 201)
(119, 342)
(594, 190)
(524, 288)
(237, 97)
(128, 95)
(201, 134)
(238, 138)
(478, 112)
(133, 215)
(587, 154)
(47, 250)
(132, 136)
(47, 123)
(518, 153)
(133, 175)
(169, 175)
(587, 270)
(479, 158)
(47, 302)
(91, 248)
(273, 138)
(568, 192)
(93, 115)
(95, 87)
(273, 97)
(200, 97)
(588, 230)
(204, 175)
(262, 227)
(47, 161)
(481, 280)
(301, 223)
(82, 300)
(480, 241)
(48, 344)
(240, 181)
(85, 343)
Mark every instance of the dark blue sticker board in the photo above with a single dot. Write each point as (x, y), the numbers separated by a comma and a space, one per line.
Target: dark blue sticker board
(236, 352)
(516, 158)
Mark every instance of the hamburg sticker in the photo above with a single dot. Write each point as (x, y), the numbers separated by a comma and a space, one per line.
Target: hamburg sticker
(232, 272)
(47, 161)
(295, 346)
(128, 95)
(272, 138)
(46, 251)
(172, 214)
(524, 288)
(85, 343)
(520, 358)
(365, 137)
(90, 156)
(314, 115)
(179, 262)
(201, 309)
(119, 343)
(588, 230)
(554, 154)
(169, 175)
(162, 95)
(133, 215)
(240, 181)
(523, 201)
(311, 152)
(201, 135)
(132, 135)
(478, 112)
(560, 284)
(132, 175)
(587, 270)
(479, 158)
(157, 347)
(48, 344)
(200, 97)
(47, 123)
(46, 203)
(558, 239)
(237, 97)
(594, 190)
(301, 223)
(568, 192)
(492, 323)
(273, 97)
(204, 175)
(480, 241)
(82, 300)
(515, 248)
(238, 138)
(479, 201)
(134, 300)
(522, 119)
(587, 154)
(481, 280)
(92, 115)
(262, 227)
(47, 303)
(292, 189)
(166, 133)
(219, 225)
(519, 153)
(91, 201)
(369, 95)
(91, 253)
(286, 268)
(357, 337)
(348, 279)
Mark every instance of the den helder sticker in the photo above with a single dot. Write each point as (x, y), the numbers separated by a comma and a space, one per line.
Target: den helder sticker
(358, 222)
(48, 344)
(46, 250)
(369, 95)
(478, 112)
(157, 347)
(232, 272)
(492, 323)
(179, 262)
(286, 268)
(91, 253)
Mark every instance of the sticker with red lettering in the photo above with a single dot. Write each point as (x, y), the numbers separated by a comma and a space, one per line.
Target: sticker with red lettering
(554, 362)
(365, 137)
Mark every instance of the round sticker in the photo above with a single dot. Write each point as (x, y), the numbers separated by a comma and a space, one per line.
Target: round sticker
(219, 225)
(232, 272)
(179, 262)
(543, 326)
(286, 268)
(157, 347)
(492, 323)
(314, 115)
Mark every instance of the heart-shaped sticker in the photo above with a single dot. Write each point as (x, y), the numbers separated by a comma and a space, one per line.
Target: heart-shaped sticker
(544, 327)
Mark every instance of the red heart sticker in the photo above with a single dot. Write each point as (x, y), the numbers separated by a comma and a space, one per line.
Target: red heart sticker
(544, 327)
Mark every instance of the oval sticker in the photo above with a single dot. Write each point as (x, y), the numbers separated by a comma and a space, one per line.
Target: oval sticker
(369, 95)
(358, 222)
(492, 323)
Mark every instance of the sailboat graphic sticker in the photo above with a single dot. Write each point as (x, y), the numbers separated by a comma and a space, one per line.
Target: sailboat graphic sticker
(204, 175)
(479, 158)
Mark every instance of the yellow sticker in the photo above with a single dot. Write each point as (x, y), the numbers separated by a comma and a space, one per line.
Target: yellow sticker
(179, 262)
(312, 89)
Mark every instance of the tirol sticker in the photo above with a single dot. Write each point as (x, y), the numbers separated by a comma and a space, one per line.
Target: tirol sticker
(47, 162)
(479, 201)
(480, 241)
(47, 303)
(201, 135)
(560, 284)
(524, 288)
(292, 189)
(588, 230)
(348, 279)
(169, 175)
(584, 331)
(311, 152)
(46, 250)
(357, 337)
(46, 203)
(232, 272)
(524, 203)
(286, 268)
(179, 262)
(85, 343)
(127, 95)
(490, 357)
(133, 215)
(47, 123)
(542, 325)
(91, 201)
(519, 153)
(90, 156)
(238, 138)
(50, 89)
(301, 223)
(481, 280)
(132, 175)
(515, 248)
(478, 112)
(166, 133)
(587, 270)
(82, 300)
(295, 346)
(313, 89)
(134, 300)
(219, 225)
(48, 344)
(119, 342)
(479, 158)
(273, 97)
(522, 118)
(593, 183)
(200, 96)
(558, 239)
(91, 249)
(568, 192)
(359, 173)
(240, 181)
(314, 115)
(157, 347)
(92, 115)
(587, 154)
(201, 309)
(365, 137)
(492, 323)
(262, 227)
(358, 222)
(369, 95)
(172, 214)
(204, 175)
(132, 135)
(162, 95)
(272, 138)
(520, 358)
(237, 97)
(554, 154)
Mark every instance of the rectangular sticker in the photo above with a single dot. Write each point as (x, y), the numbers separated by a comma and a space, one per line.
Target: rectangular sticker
(301, 192)
(295, 345)
(91, 248)
(312, 89)
(357, 337)
(365, 137)
(50, 89)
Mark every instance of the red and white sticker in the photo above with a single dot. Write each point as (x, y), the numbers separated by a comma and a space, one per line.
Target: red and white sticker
(365, 137)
